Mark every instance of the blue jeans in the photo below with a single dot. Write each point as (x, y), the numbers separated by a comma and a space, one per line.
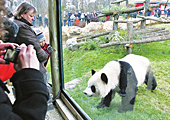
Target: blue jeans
(69, 22)
(64, 22)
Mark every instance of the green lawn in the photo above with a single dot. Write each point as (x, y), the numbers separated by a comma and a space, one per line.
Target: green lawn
(148, 106)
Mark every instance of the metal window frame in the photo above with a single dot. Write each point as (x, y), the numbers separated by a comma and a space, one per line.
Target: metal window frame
(56, 59)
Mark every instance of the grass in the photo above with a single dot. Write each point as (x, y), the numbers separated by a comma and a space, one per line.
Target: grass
(148, 106)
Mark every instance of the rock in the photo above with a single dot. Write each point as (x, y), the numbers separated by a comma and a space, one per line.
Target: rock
(71, 84)
(72, 44)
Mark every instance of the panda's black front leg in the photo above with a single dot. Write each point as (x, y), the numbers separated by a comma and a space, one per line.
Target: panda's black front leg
(105, 102)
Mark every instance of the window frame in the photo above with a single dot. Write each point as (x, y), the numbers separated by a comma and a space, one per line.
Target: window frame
(56, 60)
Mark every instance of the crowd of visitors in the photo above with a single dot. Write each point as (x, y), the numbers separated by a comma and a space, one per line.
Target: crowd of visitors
(39, 21)
(71, 17)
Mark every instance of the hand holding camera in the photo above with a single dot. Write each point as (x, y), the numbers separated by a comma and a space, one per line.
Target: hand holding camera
(23, 56)
(27, 58)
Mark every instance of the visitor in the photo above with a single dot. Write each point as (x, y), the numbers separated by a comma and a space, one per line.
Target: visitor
(23, 18)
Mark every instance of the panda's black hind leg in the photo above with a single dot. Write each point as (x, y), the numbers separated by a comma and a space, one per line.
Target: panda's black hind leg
(128, 101)
(150, 80)
(154, 83)
(105, 102)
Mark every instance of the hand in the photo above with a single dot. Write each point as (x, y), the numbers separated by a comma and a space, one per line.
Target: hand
(27, 58)
(3, 47)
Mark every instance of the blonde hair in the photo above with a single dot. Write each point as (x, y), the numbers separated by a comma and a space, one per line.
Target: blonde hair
(23, 8)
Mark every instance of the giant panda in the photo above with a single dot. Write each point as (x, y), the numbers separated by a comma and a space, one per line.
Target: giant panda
(122, 76)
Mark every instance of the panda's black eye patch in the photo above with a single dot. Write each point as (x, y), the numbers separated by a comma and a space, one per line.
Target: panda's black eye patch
(93, 89)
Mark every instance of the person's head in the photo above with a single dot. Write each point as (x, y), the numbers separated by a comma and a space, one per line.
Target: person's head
(26, 11)
(40, 36)
(8, 29)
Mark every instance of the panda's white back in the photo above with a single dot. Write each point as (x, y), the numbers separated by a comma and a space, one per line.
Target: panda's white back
(139, 64)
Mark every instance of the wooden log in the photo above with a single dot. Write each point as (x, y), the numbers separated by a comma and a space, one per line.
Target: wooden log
(92, 36)
(156, 34)
(130, 10)
(125, 21)
(129, 36)
(148, 40)
(155, 19)
(143, 24)
(129, 31)
(153, 34)
(115, 25)
(118, 1)
(146, 7)
(143, 31)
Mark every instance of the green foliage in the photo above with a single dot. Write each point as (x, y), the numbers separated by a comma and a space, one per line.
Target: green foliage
(114, 7)
(103, 39)
(89, 45)
(63, 7)
(118, 35)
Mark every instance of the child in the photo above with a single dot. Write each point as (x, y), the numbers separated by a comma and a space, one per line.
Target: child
(45, 46)
(48, 49)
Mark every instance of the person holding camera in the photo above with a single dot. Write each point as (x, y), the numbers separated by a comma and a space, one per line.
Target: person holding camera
(28, 81)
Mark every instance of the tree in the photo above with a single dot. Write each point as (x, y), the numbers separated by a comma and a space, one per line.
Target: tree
(92, 7)
(82, 6)
(41, 6)
(75, 3)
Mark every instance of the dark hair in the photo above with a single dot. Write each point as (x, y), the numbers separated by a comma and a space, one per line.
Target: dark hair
(23, 8)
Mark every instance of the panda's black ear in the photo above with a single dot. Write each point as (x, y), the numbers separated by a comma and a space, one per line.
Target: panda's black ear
(93, 71)
(104, 78)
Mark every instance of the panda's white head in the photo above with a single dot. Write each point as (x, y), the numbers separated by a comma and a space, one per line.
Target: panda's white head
(97, 85)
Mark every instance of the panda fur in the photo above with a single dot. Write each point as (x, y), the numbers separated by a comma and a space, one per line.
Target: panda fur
(122, 76)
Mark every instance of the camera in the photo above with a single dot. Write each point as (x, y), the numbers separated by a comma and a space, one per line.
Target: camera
(11, 55)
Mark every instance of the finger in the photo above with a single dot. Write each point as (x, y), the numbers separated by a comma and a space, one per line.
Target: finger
(2, 52)
(22, 45)
(22, 53)
(16, 45)
(2, 60)
(22, 58)
(22, 48)
(3, 46)
(31, 49)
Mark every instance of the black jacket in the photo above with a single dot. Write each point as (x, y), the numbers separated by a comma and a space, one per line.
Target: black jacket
(31, 97)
